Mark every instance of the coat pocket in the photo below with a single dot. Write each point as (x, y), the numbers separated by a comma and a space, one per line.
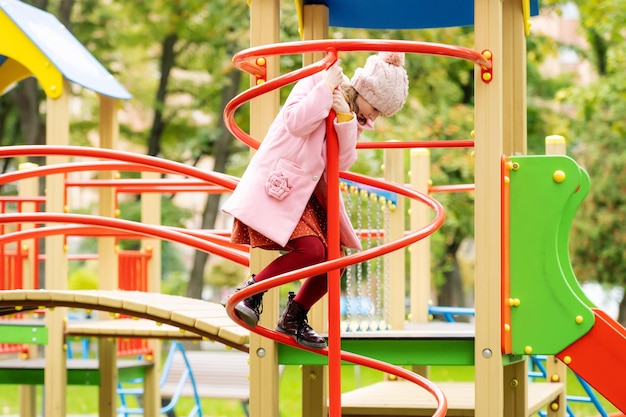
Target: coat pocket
(280, 181)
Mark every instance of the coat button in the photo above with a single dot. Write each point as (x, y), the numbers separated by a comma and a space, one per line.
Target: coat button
(315, 177)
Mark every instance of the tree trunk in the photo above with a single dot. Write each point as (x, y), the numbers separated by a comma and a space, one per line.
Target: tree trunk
(65, 13)
(26, 96)
(451, 292)
(168, 58)
(221, 153)
(621, 315)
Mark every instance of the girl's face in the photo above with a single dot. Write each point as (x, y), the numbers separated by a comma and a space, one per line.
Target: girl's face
(365, 111)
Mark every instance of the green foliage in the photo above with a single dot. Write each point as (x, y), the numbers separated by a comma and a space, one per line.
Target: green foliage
(226, 274)
(593, 120)
(83, 278)
(598, 245)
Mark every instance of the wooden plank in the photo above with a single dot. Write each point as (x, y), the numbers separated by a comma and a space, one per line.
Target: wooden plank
(209, 326)
(542, 393)
(403, 398)
(114, 301)
(431, 330)
(13, 295)
(234, 333)
(139, 328)
(86, 297)
(188, 316)
(38, 295)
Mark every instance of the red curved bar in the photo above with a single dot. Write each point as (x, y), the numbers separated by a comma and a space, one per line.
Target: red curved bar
(66, 229)
(79, 230)
(223, 180)
(454, 188)
(417, 144)
(41, 171)
(360, 45)
(118, 224)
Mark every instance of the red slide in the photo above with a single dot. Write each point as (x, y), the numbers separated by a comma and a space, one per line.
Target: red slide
(599, 357)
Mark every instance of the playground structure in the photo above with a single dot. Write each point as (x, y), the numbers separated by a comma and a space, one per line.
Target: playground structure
(498, 358)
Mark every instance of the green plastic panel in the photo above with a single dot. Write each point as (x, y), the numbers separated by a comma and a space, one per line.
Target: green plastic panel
(395, 351)
(551, 310)
(24, 333)
(85, 372)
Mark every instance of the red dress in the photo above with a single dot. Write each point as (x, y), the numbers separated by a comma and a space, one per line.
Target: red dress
(312, 223)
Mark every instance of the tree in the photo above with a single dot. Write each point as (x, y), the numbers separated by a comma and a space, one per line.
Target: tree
(596, 131)
(195, 76)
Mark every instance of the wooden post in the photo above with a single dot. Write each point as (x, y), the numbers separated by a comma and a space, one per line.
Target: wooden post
(315, 377)
(488, 151)
(29, 188)
(556, 371)
(420, 251)
(57, 133)
(151, 214)
(395, 277)
(107, 260)
(264, 29)
(514, 79)
(514, 143)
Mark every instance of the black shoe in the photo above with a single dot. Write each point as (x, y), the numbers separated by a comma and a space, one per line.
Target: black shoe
(293, 322)
(250, 309)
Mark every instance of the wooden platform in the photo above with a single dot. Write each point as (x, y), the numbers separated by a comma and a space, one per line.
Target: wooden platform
(403, 398)
(434, 343)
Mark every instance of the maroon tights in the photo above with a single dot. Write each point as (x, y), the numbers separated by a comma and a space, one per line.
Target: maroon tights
(302, 252)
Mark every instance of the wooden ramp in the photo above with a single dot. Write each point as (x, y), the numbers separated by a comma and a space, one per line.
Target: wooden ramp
(403, 398)
(179, 314)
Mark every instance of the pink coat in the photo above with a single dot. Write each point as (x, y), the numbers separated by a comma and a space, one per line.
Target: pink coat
(291, 162)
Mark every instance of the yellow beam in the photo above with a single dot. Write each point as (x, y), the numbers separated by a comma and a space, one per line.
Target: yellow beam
(29, 60)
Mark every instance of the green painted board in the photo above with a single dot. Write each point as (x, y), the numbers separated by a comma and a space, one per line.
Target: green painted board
(79, 371)
(553, 312)
(395, 351)
(24, 332)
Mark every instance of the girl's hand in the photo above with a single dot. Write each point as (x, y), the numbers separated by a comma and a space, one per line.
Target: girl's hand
(334, 75)
(340, 105)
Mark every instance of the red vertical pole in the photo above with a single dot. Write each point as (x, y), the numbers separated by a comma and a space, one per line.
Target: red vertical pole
(334, 288)
(2, 271)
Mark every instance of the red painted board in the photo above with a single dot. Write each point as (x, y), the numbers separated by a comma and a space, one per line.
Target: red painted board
(599, 357)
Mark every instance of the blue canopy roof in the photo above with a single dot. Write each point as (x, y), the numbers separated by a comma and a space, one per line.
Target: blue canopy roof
(67, 54)
(403, 14)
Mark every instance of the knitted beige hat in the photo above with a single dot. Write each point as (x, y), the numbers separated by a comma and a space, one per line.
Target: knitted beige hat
(383, 82)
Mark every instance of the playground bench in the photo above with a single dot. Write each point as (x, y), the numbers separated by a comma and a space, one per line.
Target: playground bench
(217, 375)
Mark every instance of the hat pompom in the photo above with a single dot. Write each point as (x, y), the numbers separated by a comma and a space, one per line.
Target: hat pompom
(393, 58)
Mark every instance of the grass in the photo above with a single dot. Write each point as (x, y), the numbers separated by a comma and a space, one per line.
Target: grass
(84, 400)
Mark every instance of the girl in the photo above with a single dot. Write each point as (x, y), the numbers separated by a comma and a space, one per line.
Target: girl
(279, 204)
